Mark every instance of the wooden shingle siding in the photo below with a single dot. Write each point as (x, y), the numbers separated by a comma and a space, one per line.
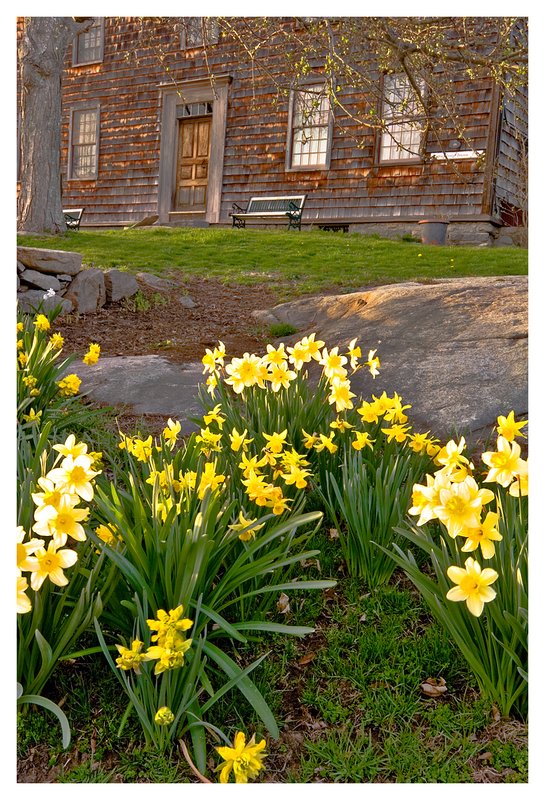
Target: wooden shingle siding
(129, 88)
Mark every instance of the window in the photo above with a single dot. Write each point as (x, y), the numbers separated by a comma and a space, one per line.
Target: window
(88, 47)
(198, 31)
(83, 155)
(309, 142)
(400, 111)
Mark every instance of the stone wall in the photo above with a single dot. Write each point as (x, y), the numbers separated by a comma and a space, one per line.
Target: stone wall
(47, 278)
(485, 234)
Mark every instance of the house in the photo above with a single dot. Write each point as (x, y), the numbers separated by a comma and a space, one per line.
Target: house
(164, 116)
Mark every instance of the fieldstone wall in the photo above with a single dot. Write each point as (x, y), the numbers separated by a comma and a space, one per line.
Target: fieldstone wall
(484, 234)
(47, 278)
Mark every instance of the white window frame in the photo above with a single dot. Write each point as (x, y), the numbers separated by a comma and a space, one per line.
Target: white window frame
(296, 123)
(74, 111)
(403, 135)
(98, 24)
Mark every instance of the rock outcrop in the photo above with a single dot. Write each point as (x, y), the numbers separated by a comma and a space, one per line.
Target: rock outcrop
(455, 349)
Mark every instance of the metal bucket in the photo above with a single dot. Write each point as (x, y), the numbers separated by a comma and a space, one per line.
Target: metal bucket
(433, 231)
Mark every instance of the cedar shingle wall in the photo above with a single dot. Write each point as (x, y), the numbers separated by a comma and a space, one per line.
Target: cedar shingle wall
(127, 89)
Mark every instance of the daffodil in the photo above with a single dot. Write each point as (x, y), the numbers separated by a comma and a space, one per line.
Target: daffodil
(333, 363)
(142, 448)
(209, 479)
(505, 464)
(299, 354)
(296, 476)
(32, 416)
(92, 355)
(50, 564)
(164, 716)
(42, 323)
(311, 346)
(253, 464)
(509, 429)
(373, 362)
(244, 760)
(168, 657)
(169, 627)
(484, 536)
(362, 439)
(397, 431)
(61, 522)
(71, 447)
(275, 355)
(309, 439)
(214, 416)
(419, 441)
(450, 456)
(50, 497)
(340, 394)
(246, 528)
(75, 476)
(326, 443)
(459, 506)
(369, 412)
(239, 440)
(280, 376)
(107, 534)
(131, 657)
(56, 341)
(69, 385)
(426, 498)
(243, 372)
(25, 550)
(473, 586)
(354, 353)
(24, 604)
(519, 488)
(171, 432)
(395, 411)
(276, 441)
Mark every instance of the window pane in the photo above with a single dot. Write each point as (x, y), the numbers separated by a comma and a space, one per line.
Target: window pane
(84, 143)
(403, 135)
(89, 44)
(310, 127)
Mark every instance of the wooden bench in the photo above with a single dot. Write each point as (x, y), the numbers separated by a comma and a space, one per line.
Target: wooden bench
(72, 217)
(288, 208)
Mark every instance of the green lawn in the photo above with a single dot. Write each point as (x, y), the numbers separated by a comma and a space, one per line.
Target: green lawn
(294, 263)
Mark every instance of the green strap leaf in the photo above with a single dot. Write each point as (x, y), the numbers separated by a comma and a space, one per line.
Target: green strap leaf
(38, 700)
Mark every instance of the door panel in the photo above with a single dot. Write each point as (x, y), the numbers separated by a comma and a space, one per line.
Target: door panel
(192, 164)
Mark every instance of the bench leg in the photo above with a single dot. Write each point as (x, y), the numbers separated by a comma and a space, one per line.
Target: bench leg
(239, 223)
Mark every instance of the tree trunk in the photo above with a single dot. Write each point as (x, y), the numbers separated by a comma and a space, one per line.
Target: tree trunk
(43, 50)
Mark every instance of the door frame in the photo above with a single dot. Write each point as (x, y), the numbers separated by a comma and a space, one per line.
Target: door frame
(213, 90)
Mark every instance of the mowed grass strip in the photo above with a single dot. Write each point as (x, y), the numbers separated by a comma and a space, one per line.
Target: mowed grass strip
(293, 263)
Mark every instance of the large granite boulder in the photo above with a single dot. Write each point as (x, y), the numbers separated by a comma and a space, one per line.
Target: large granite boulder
(119, 285)
(455, 349)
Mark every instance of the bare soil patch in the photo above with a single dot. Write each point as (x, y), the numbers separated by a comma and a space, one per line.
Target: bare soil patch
(156, 321)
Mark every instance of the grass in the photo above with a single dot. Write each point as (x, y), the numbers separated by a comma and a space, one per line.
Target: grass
(291, 263)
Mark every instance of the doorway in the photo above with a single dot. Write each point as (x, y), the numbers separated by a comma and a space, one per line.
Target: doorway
(192, 164)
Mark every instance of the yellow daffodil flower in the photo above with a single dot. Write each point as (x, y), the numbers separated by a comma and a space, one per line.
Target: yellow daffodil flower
(373, 362)
(164, 716)
(214, 416)
(310, 439)
(239, 440)
(459, 506)
(505, 464)
(276, 441)
(275, 355)
(332, 363)
(484, 536)
(131, 657)
(509, 429)
(69, 385)
(340, 394)
(326, 443)
(24, 604)
(397, 431)
(473, 586)
(71, 447)
(354, 353)
(56, 341)
(62, 522)
(50, 564)
(171, 432)
(243, 372)
(280, 376)
(92, 355)
(247, 527)
(362, 440)
(42, 323)
(75, 476)
(32, 416)
(244, 760)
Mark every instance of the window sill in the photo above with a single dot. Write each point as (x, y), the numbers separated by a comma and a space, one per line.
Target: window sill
(88, 63)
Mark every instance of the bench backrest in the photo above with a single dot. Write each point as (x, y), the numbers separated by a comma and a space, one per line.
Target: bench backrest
(72, 216)
(275, 205)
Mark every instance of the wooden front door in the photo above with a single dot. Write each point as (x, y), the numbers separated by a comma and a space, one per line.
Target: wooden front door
(192, 164)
